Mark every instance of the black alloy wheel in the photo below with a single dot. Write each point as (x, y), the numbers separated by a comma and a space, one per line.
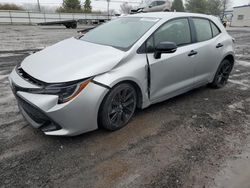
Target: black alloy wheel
(118, 107)
(222, 74)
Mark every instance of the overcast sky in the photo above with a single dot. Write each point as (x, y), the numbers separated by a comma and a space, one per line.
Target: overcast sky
(101, 4)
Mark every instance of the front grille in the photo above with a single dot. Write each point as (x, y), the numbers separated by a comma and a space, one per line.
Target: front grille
(29, 78)
(37, 116)
(32, 111)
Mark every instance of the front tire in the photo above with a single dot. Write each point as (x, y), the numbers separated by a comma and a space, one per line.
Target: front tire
(118, 107)
(222, 74)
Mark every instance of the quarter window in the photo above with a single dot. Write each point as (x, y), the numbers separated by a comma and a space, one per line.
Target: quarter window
(203, 29)
(215, 29)
(176, 31)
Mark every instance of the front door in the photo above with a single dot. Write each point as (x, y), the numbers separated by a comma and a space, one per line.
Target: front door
(173, 73)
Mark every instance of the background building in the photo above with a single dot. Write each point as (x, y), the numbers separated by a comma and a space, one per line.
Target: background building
(241, 16)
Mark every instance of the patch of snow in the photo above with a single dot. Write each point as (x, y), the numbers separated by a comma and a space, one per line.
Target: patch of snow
(239, 82)
(237, 105)
(3, 76)
(8, 54)
(241, 74)
(244, 63)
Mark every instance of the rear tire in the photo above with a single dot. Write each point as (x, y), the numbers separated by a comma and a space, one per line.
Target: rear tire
(222, 74)
(118, 107)
(74, 25)
(67, 26)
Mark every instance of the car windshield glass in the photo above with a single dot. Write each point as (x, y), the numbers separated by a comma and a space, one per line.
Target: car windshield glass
(120, 33)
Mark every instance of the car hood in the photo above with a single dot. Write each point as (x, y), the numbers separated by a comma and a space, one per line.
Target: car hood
(71, 59)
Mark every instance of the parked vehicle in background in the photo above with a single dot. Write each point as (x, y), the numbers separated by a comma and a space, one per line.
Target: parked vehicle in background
(131, 62)
(154, 6)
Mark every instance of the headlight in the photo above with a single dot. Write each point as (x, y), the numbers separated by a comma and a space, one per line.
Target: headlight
(65, 91)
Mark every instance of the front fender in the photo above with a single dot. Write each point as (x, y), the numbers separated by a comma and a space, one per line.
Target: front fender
(134, 70)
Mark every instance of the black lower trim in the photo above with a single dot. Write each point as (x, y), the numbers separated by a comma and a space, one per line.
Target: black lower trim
(38, 116)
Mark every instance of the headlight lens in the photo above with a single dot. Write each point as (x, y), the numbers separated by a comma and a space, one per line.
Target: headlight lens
(65, 92)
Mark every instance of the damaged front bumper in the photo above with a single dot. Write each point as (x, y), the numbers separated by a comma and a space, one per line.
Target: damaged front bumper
(42, 111)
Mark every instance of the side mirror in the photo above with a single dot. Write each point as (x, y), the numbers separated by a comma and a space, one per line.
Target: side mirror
(164, 47)
(150, 6)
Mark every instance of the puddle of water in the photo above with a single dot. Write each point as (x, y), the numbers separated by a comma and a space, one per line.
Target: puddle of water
(236, 174)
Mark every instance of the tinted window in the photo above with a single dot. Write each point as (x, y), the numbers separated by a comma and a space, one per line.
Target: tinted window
(215, 29)
(160, 2)
(177, 31)
(120, 33)
(203, 29)
(153, 4)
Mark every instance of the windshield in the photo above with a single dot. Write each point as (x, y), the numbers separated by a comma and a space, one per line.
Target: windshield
(120, 33)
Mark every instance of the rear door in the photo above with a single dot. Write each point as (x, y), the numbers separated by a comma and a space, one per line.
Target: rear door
(209, 46)
(218, 47)
(172, 73)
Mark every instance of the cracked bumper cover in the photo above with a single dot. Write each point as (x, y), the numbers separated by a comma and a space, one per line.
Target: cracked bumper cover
(71, 118)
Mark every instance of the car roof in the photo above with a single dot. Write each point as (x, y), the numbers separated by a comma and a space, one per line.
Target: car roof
(169, 15)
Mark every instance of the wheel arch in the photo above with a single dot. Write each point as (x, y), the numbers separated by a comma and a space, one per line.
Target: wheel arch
(229, 57)
(137, 89)
(138, 95)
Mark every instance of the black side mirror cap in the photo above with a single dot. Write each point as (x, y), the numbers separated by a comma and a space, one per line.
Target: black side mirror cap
(164, 47)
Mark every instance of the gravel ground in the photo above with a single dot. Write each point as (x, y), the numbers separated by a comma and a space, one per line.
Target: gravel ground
(198, 139)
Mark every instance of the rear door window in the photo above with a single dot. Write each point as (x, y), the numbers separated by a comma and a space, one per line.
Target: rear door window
(203, 29)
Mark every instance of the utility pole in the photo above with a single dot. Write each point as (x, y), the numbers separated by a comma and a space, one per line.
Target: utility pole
(108, 8)
(38, 5)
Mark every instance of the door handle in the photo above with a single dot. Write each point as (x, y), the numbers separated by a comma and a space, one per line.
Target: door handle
(192, 53)
(219, 45)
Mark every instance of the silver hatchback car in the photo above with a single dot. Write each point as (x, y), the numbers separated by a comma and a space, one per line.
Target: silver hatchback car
(154, 6)
(99, 79)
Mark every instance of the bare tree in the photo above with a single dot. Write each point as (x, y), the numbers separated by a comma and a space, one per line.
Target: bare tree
(111, 12)
(225, 5)
(196, 6)
(214, 7)
(126, 8)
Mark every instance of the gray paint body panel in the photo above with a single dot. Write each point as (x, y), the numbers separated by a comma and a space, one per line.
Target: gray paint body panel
(74, 59)
(71, 59)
